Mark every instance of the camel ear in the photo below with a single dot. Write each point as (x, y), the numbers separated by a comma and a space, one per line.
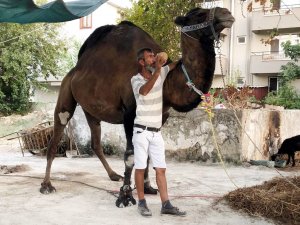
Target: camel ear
(180, 20)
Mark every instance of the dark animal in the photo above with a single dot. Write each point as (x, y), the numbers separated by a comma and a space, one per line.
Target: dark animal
(289, 146)
(100, 82)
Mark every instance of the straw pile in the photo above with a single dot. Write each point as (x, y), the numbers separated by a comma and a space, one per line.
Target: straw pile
(277, 199)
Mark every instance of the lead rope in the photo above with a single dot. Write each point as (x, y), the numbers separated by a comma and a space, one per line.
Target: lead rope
(207, 109)
(205, 104)
(218, 46)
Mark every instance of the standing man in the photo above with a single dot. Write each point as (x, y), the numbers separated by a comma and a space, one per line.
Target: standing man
(147, 140)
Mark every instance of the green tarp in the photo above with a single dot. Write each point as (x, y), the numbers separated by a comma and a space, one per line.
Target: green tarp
(26, 11)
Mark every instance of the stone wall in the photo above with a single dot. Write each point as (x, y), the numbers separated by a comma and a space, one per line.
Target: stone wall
(239, 136)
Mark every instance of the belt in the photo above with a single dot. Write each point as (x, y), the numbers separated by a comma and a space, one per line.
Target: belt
(153, 129)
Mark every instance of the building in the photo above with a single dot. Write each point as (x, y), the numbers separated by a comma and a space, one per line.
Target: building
(247, 59)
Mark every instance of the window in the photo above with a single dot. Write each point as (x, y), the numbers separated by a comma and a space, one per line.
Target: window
(241, 39)
(273, 84)
(86, 22)
(275, 45)
(293, 38)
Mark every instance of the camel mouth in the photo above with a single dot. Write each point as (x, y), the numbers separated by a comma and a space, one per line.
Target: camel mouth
(226, 23)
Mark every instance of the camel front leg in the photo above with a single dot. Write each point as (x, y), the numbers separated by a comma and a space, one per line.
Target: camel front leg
(97, 148)
(125, 197)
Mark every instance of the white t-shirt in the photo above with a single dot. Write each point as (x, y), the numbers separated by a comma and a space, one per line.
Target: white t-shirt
(149, 107)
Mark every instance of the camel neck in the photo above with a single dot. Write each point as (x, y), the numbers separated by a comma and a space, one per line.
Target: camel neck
(198, 58)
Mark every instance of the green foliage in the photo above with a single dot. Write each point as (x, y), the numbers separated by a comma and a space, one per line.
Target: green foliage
(293, 51)
(157, 18)
(26, 53)
(286, 95)
(289, 72)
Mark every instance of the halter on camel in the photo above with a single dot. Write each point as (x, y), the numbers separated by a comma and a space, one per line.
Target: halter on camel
(185, 29)
(208, 22)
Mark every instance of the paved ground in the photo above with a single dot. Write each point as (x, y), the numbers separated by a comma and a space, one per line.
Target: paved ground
(80, 198)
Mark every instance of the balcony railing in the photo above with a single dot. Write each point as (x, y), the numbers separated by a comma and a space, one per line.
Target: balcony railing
(286, 19)
(267, 62)
(271, 56)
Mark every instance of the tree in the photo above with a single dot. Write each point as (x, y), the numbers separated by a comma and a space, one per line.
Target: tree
(286, 95)
(26, 53)
(157, 18)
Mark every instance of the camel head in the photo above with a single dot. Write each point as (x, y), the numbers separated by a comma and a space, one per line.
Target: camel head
(200, 22)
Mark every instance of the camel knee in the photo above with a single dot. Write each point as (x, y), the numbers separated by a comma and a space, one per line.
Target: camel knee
(64, 117)
(129, 158)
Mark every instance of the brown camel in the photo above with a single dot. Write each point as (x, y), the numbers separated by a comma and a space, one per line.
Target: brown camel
(100, 82)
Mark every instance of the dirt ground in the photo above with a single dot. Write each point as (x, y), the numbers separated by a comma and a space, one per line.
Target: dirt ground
(82, 196)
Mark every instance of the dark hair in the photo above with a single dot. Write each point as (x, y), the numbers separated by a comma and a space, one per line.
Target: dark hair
(140, 53)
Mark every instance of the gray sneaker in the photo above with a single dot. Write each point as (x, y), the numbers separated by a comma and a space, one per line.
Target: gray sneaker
(172, 211)
(144, 211)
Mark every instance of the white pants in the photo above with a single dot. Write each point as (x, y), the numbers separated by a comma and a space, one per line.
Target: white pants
(148, 143)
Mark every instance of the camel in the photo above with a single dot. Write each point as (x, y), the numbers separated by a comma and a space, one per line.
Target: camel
(100, 83)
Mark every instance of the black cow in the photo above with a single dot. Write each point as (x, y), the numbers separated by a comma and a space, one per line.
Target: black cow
(289, 146)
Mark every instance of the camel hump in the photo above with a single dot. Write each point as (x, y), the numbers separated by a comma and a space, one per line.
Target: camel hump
(125, 22)
(99, 34)
(96, 36)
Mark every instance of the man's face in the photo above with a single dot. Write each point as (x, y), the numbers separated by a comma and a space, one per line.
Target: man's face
(149, 61)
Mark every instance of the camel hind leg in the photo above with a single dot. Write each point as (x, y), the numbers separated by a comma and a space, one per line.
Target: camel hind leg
(95, 128)
(64, 111)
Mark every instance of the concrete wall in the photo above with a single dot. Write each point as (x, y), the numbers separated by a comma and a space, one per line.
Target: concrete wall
(189, 136)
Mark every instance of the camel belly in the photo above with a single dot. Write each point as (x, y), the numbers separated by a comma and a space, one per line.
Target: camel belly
(103, 112)
(102, 106)
(101, 95)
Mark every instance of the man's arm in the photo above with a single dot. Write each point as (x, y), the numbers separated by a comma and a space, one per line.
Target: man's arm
(146, 88)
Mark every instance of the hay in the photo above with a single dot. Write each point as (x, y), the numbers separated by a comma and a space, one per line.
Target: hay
(276, 199)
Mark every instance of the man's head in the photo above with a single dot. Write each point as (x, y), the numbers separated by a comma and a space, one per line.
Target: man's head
(146, 59)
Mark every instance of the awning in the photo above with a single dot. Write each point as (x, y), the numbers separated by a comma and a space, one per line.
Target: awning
(26, 11)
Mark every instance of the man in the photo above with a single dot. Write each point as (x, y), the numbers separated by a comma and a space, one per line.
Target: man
(147, 86)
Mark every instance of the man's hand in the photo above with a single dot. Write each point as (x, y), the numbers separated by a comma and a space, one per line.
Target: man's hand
(161, 59)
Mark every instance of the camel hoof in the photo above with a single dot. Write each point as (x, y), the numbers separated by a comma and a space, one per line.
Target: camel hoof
(116, 177)
(47, 188)
(150, 190)
(125, 197)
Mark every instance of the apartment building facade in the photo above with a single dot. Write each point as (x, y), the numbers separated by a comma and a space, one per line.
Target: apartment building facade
(248, 60)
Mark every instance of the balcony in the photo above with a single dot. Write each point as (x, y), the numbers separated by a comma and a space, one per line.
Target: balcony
(286, 19)
(267, 62)
(224, 63)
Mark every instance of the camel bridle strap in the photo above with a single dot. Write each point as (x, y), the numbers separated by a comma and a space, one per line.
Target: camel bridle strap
(199, 26)
(189, 82)
(195, 27)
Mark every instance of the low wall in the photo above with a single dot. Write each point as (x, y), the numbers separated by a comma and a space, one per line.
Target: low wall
(240, 136)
